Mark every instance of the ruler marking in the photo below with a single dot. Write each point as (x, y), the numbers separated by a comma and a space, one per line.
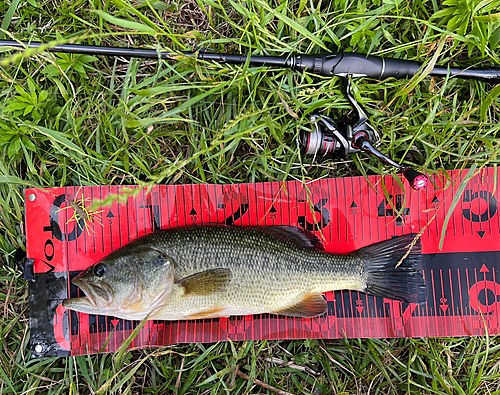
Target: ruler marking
(446, 329)
(257, 219)
(338, 214)
(84, 227)
(184, 211)
(234, 188)
(361, 211)
(477, 296)
(107, 319)
(453, 215)
(471, 188)
(264, 199)
(293, 320)
(68, 277)
(425, 314)
(352, 314)
(160, 338)
(351, 181)
(436, 220)
(452, 311)
(328, 226)
(168, 190)
(498, 199)
(493, 321)
(103, 228)
(110, 232)
(462, 217)
(427, 212)
(76, 224)
(417, 196)
(144, 211)
(296, 202)
(435, 305)
(138, 340)
(346, 212)
(488, 201)
(94, 234)
(134, 204)
(343, 310)
(468, 287)
(462, 313)
(368, 318)
(209, 204)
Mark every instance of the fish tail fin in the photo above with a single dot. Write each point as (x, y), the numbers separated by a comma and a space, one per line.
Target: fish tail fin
(393, 269)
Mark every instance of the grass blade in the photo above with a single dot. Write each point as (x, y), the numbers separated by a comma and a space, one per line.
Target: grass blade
(8, 17)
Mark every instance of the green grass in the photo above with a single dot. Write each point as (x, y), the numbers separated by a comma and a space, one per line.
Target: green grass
(81, 120)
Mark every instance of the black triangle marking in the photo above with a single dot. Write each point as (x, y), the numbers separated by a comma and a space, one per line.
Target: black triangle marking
(110, 215)
(435, 200)
(353, 204)
(481, 233)
(273, 210)
(193, 212)
(52, 267)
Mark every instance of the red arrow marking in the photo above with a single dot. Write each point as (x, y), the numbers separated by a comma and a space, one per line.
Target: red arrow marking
(484, 269)
(444, 307)
(115, 322)
(360, 309)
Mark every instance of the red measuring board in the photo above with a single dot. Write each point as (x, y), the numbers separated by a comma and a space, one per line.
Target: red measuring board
(463, 290)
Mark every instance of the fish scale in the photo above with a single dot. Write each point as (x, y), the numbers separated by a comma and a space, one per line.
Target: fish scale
(221, 271)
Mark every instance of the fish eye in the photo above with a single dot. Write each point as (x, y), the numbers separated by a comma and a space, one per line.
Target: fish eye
(99, 270)
(159, 260)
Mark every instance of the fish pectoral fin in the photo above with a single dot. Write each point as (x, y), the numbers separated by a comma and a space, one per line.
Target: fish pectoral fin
(206, 283)
(312, 305)
(212, 313)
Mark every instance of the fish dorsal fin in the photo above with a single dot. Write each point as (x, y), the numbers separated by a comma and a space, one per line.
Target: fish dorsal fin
(293, 235)
(206, 283)
(312, 305)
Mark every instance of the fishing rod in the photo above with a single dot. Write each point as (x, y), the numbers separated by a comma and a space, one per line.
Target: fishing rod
(339, 64)
(328, 137)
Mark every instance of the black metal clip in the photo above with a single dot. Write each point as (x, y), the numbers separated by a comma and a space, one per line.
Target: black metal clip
(24, 264)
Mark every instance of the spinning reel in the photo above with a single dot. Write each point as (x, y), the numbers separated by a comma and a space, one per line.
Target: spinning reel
(339, 138)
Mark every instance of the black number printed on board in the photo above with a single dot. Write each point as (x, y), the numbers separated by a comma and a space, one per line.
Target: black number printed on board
(54, 227)
(318, 207)
(489, 206)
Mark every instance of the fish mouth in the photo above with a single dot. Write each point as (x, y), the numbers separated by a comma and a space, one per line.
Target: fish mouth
(99, 295)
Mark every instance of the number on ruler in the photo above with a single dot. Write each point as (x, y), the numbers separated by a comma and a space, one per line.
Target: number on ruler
(54, 222)
(241, 206)
(154, 210)
(490, 207)
(386, 210)
(318, 207)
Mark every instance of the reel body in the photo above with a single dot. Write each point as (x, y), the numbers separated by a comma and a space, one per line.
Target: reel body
(332, 138)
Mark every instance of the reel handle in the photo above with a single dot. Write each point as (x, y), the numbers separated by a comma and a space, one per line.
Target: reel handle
(417, 180)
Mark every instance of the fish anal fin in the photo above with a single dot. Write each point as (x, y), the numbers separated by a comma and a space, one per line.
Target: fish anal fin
(211, 313)
(206, 283)
(312, 305)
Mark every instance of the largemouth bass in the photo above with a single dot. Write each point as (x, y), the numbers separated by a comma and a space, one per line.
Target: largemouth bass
(220, 271)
